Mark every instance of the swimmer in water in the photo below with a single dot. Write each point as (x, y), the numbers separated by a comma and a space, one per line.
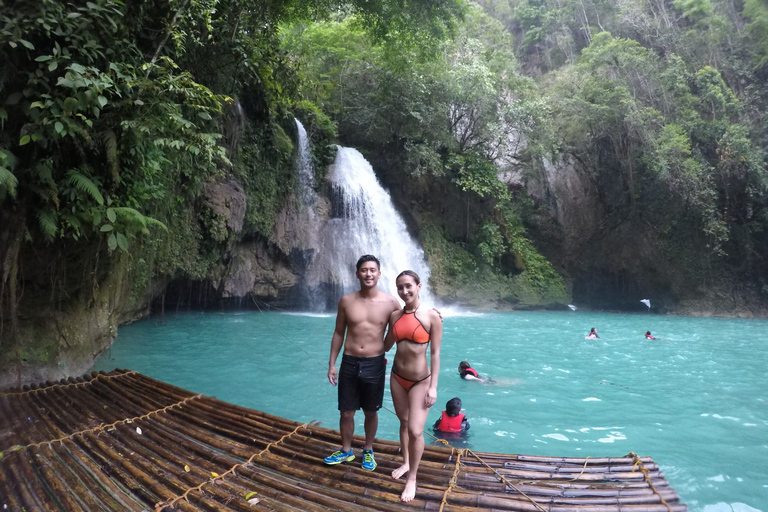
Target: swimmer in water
(592, 334)
(452, 423)
(649, 336)
(466, 372)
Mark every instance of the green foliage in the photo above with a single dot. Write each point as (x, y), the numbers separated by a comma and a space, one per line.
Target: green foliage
(406, 95)
(266, 175)
(318, 125)
(84, 184)
(8, 181)
(457, 274)
(757, 30)
(695, 9)
(478, 175)
(713, 92)
(77, 101)
(491, 243)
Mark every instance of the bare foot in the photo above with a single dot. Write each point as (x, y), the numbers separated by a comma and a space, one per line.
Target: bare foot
(397, 473)
(409, 492)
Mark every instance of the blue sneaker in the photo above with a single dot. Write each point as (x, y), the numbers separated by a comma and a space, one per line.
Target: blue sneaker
(369, 463)
(338, 457)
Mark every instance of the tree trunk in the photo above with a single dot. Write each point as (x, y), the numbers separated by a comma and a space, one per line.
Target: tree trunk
(11, 239)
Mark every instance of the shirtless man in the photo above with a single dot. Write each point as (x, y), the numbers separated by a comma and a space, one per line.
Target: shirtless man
(363, 317)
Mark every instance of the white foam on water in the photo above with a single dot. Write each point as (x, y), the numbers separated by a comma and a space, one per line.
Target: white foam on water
(309, 314)
(559, 437)
(730, 507)
(613, 436)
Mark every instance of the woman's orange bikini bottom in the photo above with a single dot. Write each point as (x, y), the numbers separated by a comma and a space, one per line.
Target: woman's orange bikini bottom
(408, 384)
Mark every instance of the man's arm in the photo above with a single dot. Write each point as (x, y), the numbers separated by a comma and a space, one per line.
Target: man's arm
(337, 341)
(389, 339)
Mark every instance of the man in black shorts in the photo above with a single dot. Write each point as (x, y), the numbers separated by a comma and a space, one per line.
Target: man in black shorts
(360, 325)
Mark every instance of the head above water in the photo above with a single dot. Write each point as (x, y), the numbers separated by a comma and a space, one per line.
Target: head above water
(647, 333)
(464, 365)
(593, 330)
(453, 406)
(365, 258)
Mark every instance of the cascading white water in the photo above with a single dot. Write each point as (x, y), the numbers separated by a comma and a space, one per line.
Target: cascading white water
(307, 225)
(363, 221)
(306, 170)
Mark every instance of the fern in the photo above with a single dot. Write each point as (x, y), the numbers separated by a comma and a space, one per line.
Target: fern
(84, 183)
(8, 182)
(135, 221)
(48, 222)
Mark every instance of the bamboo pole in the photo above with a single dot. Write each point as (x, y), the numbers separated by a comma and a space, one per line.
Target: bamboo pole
(32, 492)
(86, 442)
(52, 473)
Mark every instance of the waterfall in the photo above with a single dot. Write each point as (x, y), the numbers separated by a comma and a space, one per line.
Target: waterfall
(363, 220)
(307, 224)
(306, 171)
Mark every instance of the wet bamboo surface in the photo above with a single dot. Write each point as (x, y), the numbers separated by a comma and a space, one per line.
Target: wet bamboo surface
(123, 441)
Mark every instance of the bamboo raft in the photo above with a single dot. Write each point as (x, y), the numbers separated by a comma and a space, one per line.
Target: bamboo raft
(123, 441)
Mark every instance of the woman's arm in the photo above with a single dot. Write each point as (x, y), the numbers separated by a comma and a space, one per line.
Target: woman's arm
(436, 333)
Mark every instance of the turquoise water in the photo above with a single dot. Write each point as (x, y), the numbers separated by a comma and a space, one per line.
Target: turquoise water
(696, 399)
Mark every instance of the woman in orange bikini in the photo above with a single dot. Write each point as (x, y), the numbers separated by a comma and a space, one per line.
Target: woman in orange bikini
(413, 382)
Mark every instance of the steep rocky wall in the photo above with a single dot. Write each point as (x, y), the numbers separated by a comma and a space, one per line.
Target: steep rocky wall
(570, 202)
(62, 331)
(60, 339)
(612, 261)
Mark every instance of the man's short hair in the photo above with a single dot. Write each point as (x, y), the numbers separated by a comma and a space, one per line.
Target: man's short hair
(365, 258)
(453, 406)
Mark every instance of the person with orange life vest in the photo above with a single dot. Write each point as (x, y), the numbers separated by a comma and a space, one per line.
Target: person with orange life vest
(452, 421)
(649, 336)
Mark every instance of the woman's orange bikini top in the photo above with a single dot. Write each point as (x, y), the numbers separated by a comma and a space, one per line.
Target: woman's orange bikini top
(408, 327)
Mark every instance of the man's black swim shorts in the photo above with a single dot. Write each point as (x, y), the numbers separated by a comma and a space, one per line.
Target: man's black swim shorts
(361, 383)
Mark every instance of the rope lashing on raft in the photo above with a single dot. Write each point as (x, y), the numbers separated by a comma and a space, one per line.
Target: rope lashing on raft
(100, 428)
(454, 477)
(70, 384)
(503, 480)
(639, 463)
(582, 471)
(184, 496)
